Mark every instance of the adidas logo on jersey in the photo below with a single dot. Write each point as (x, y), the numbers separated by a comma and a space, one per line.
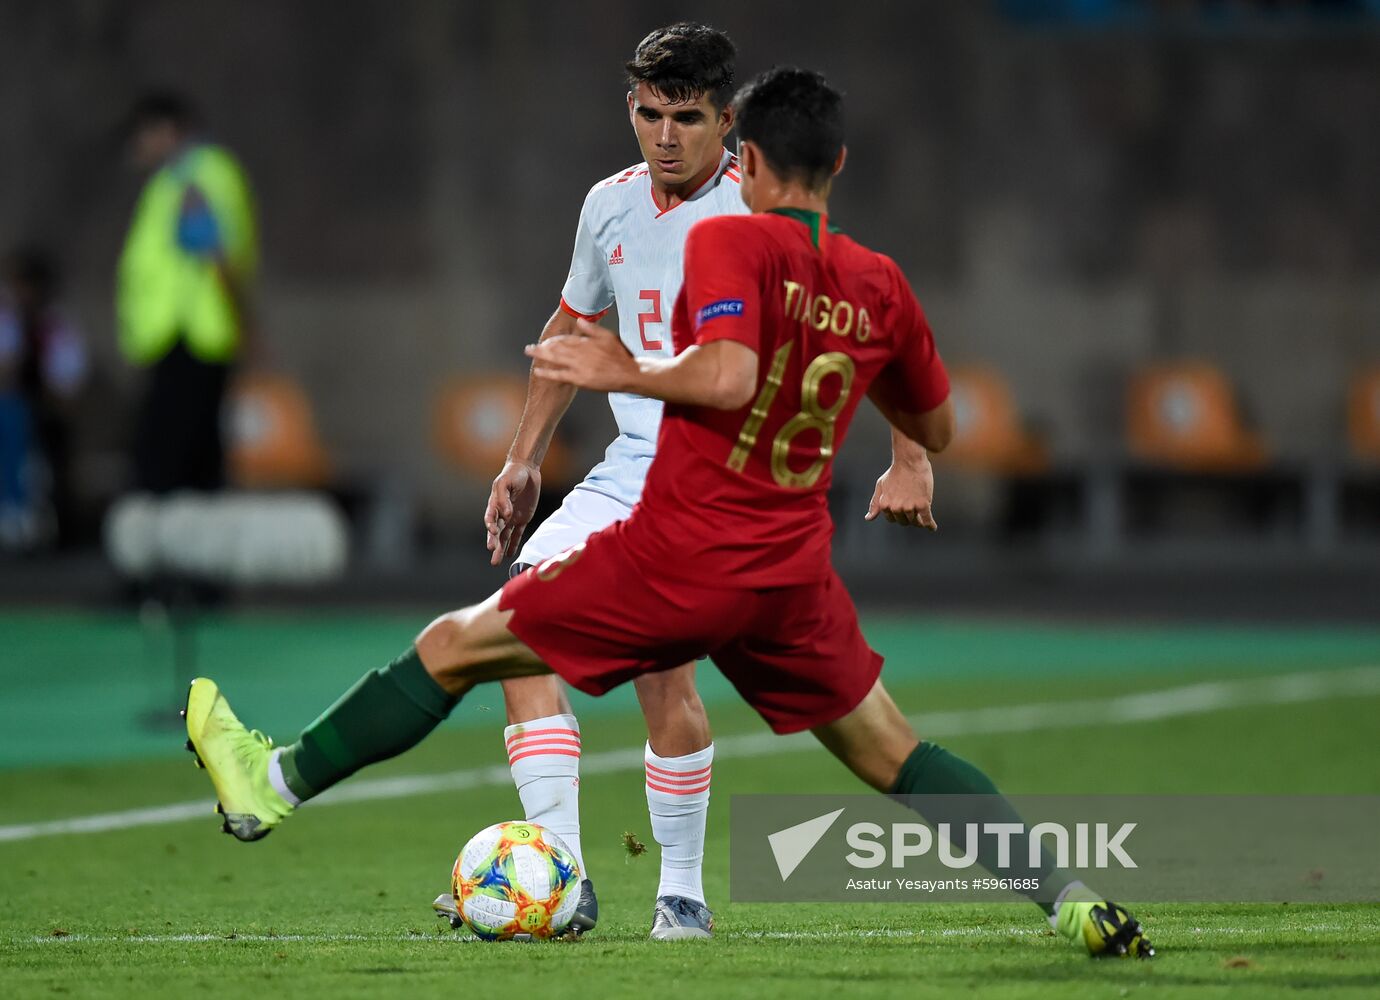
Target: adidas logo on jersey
(617, 256)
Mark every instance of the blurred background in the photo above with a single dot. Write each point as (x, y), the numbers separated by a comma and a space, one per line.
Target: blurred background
(1147, 235)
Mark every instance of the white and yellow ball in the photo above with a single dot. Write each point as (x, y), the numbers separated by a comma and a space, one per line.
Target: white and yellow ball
(515, 878)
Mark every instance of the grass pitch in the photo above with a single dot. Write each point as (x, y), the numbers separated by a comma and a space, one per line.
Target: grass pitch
(338, 900)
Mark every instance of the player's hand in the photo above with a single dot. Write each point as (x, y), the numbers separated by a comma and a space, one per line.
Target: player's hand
(512, 502)
(905, 495)
(591, 358)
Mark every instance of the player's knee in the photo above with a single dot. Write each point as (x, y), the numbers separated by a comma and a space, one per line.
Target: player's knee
(528, 698)
(443, 647)
(669, 693)
(676, 720)
(677, 684)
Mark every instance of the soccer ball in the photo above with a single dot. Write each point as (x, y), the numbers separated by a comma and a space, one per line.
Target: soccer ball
(515, 878)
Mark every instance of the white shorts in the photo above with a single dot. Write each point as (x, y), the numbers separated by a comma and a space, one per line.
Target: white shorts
(581, 514)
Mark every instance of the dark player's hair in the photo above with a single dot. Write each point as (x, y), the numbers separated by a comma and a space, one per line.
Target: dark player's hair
(161, 107)
(684, 60)
(796, 119)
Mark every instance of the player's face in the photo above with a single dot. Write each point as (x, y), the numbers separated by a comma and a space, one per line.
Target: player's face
(680, 141)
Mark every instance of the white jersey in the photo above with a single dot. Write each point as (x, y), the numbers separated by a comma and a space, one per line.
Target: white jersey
(630, 252)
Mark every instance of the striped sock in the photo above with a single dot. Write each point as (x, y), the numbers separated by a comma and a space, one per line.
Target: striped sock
(544, 755)
(678, 799)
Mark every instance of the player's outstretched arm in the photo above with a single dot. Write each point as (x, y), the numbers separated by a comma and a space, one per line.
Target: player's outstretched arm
(721, 374)
(514, 494)
(905, 492)
(932, 430)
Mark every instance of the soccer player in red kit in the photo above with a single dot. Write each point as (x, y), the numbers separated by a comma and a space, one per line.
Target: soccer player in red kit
(781, 327)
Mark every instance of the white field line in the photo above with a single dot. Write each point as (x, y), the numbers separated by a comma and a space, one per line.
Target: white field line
(445, 937)
(837, 934)
(1147, 706)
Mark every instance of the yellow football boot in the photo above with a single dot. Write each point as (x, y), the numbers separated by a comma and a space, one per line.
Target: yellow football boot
(237, 761)
(1104, 928)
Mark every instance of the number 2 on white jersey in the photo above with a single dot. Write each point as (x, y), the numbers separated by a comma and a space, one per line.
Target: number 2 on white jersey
(652, 315)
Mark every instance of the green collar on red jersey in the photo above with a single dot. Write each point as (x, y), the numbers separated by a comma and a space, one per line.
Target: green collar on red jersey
(811, 219)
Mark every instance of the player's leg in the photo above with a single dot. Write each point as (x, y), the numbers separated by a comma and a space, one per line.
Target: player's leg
(542, 741)
(542, 738)
(579, 613)
(803, 663)
(874, 740)
(679, 759)
(877, 743)
(529, 698)
(388, 711)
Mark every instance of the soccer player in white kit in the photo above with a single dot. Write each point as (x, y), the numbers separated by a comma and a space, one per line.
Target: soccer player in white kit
(629, 253)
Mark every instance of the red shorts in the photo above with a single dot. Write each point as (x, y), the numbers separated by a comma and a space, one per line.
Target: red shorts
(599, 618)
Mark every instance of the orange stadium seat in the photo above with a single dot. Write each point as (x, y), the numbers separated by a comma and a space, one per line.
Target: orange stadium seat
(1363, 415)
(473, 422)
(1185, 415)
(273, 439)
(989, 435)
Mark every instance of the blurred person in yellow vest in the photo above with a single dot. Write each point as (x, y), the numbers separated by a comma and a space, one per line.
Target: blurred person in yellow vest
(184, 292)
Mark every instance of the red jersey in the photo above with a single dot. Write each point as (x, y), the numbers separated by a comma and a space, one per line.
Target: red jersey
(740, 496)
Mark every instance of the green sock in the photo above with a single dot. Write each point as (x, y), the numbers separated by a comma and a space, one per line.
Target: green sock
(931, 770)
(388, 711)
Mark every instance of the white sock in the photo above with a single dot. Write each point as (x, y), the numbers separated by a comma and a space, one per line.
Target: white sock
(276, 779)
(544, 755)
(1078, 890)
(678, 799)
